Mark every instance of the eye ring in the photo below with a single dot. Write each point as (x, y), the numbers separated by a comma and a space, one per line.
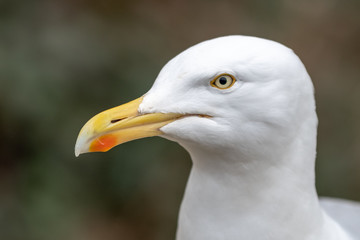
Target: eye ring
(223, 81)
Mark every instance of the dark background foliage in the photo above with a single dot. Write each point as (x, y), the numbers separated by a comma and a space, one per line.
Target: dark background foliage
(62, 61)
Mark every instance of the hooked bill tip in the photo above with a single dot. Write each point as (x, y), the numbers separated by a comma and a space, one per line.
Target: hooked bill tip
(79, 145)
(77, 153)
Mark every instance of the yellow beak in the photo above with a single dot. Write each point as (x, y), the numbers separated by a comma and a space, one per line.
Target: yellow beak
(118, 125)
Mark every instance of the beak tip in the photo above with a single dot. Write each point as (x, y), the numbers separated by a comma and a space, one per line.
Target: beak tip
(80, 145)
(77, 153)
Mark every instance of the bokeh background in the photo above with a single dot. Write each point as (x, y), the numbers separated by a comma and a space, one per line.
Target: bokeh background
(62, 61)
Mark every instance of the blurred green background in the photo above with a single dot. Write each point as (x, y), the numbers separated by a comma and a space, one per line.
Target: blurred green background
(62, 61)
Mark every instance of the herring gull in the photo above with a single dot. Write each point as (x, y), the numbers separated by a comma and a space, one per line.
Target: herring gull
(244, 109)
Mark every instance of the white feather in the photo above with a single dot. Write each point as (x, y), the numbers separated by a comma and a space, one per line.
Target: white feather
(253, 160)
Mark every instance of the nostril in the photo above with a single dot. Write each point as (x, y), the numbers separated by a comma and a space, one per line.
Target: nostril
(116, 120)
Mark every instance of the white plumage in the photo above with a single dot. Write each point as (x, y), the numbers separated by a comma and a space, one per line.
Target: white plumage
(254, 152)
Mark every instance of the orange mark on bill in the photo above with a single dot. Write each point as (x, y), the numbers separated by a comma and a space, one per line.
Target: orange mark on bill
(103, 143)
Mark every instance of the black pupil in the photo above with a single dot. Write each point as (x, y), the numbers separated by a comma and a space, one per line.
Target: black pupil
(223, 80)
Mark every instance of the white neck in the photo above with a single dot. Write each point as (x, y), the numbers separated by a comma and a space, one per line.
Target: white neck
(266, 198)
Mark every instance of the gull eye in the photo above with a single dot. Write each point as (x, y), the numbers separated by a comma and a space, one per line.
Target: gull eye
(223, 81)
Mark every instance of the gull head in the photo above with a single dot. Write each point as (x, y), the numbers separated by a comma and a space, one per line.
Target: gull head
(233, 92)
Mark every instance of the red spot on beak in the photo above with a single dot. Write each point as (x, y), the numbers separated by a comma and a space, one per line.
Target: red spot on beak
(103, 143)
